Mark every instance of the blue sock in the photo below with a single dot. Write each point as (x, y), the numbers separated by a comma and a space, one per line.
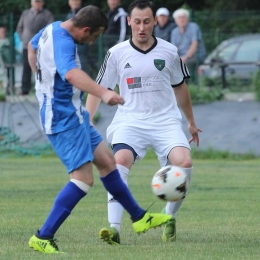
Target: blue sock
(115, 186)
(64, 203)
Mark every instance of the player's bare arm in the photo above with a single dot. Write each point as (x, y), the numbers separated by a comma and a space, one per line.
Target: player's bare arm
(32, 57)
(184, 101)
(192, 50)
(82, 81)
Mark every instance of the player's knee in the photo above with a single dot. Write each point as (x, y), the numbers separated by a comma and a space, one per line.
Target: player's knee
(106, 163)
(186, 163)
(183, 163)
(122, 161)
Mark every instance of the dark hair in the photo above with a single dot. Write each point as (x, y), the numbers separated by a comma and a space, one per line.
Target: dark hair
(141, 4)
(90, 16)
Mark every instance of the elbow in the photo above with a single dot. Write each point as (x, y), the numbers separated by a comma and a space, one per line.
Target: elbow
(70, 76)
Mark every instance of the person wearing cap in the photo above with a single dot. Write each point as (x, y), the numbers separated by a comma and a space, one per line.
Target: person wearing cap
(187, 37)
(31, 21)
(164, 24)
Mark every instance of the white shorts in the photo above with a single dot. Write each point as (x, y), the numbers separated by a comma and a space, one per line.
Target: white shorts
(161, 139)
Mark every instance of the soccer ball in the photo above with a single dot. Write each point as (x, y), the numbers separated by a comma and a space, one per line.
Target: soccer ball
(170, 183)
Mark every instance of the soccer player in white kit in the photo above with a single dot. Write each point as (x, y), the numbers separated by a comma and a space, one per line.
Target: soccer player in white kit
(151, 78)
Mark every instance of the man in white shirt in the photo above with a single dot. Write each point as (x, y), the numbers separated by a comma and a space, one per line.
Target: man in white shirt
(151, 78)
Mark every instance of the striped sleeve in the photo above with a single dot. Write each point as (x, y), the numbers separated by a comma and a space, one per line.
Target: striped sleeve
(107, 75)
(179, 72)
(122, 34)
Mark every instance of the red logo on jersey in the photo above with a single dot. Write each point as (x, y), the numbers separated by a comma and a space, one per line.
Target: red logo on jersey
(130, 80)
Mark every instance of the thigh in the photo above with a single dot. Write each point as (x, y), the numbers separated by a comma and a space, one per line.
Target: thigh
(167, 138)
(180, 156)
(73, 147)
(104, 159)
(135, 137)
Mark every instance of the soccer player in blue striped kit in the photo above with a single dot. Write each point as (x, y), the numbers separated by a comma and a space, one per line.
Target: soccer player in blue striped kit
(60, 85)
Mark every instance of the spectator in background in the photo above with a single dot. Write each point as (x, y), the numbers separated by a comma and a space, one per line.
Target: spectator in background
(31, 22)
(164, 24)
(116, 31)
(75, 6)
(4, 47)
(187, 37)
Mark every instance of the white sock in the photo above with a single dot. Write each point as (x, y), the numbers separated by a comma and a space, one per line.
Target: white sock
(173, 207)
(115, 209)
(80, 184)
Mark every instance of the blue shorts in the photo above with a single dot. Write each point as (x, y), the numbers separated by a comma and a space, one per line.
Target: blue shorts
(76, 146)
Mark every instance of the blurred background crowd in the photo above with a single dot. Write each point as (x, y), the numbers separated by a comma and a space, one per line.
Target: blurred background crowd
(218, 40)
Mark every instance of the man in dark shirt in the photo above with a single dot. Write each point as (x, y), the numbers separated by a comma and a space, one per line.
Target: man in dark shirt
(116, 31)
(31, 21)
(164, 24)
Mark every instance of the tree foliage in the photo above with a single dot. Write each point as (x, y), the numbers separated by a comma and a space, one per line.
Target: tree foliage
(61, 6)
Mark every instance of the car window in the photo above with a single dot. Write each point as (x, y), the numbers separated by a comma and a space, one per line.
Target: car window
(227, 53)
(248, 51)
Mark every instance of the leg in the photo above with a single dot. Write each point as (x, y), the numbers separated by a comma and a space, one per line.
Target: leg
(105, 163)
(77, 157)
(80, 182)
(27, 74)
(104, 160)
(179, 156)
(171, 143)
(124, 159)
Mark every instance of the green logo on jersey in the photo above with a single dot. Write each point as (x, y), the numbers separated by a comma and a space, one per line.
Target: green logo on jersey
(159, 64)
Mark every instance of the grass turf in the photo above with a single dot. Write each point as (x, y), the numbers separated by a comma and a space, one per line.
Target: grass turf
(219, 219)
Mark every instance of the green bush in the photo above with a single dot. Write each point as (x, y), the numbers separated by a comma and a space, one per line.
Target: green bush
(210, 154)
(233, 84)
(2, 97)
(204, 95)
(256, 84)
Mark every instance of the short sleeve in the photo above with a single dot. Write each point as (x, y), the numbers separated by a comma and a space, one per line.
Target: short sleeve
(107, 75)
(195, 32)
(36, 38)
(64, 53)
(179, 72)
(173, 36)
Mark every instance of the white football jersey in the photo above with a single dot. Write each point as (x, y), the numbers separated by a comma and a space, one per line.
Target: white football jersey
(146, 80)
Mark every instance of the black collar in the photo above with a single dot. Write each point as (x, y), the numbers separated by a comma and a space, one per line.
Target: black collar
(144, 52)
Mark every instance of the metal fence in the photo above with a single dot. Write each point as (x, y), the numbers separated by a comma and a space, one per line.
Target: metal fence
(215, 26)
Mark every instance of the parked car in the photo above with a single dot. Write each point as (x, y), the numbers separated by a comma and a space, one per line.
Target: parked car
(239, 55)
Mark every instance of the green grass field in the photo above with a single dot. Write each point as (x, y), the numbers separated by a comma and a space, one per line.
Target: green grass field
(220, 218)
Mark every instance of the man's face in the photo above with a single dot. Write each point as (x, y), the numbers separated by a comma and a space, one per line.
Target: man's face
(182, 20)
(37, 5)
(87, 37)
(162, 20)
(113, 4)
(142, 23)
(75, 4)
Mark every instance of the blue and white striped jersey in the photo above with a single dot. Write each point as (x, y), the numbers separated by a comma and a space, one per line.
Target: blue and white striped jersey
(59, 101)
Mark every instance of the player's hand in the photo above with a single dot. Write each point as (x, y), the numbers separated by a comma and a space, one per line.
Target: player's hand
(194, 133)
(112, 98)
(184, 58)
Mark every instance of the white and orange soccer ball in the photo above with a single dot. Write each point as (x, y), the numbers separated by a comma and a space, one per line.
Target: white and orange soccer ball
(170, 183)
